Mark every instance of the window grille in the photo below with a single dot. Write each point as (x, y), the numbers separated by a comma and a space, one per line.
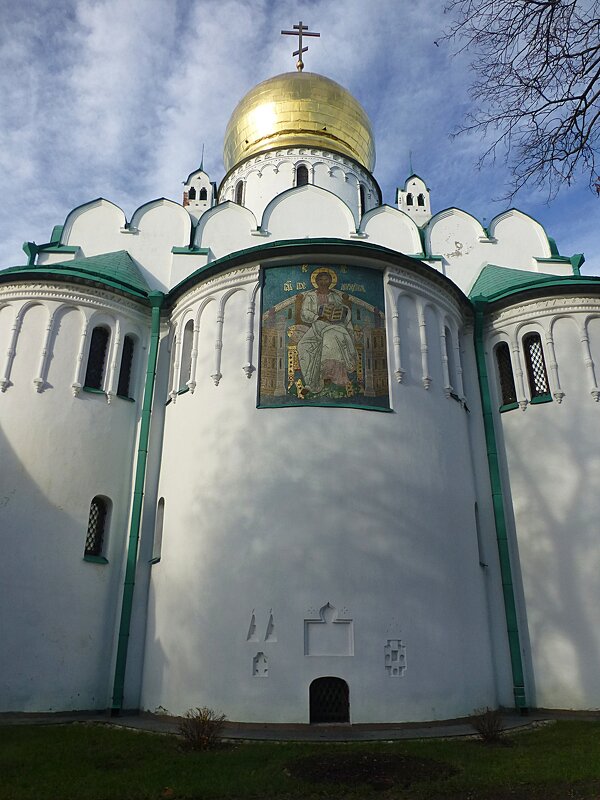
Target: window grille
(535, 364)
(505, 374)
(96, 529)
(96, 358)
(123, 388)
(239, 192)
(301, 175)
(329, 700)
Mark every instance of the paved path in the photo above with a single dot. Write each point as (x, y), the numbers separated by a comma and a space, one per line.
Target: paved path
(306, 733)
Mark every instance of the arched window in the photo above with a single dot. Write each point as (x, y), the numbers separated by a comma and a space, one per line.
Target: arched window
(123, 387)
(202, 195)
(505, 374)
(409, 199)
(158, 530)
(94, 373)
(535, 365)
(361, 200)
(301, 175)
(421, 201)
(97, 530)
(185, 370)
(192, 193)
(239, 192)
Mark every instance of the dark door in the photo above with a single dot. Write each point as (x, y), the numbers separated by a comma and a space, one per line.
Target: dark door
(329, 700)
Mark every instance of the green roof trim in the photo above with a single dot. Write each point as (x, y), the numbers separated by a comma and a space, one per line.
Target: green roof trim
(191, 251)
(287, 248)
(116, 270)
(495, 283)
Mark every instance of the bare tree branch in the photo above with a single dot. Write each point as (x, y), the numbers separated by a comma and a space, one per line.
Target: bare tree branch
(537, 85)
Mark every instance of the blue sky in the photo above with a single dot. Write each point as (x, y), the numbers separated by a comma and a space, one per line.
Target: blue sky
(115, 98)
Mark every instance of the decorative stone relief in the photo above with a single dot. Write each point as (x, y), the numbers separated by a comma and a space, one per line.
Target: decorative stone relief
(329, 634)
(251, 635)
(260, 666)
(270, 635)
(395, 658)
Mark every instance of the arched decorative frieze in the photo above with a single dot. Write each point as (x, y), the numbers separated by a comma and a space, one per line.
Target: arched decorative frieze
(12, 345)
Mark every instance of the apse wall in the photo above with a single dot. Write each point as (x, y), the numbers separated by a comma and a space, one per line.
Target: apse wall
(552, 470)
(304, 542)
(62, 447)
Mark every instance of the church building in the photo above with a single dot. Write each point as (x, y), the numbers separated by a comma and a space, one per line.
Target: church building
(296, 454)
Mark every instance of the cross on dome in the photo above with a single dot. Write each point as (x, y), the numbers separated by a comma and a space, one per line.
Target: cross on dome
(299, 31)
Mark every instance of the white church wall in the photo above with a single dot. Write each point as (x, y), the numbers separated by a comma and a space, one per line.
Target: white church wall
(59, 452)
(273, 516)
(552, 462)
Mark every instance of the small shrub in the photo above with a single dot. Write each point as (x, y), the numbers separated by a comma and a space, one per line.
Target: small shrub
(201, 728)
(488, 724)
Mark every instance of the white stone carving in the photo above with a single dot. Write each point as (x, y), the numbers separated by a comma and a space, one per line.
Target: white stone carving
(395, 658)
(329, 635)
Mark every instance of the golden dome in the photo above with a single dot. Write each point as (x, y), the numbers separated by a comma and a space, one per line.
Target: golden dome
(299, 109)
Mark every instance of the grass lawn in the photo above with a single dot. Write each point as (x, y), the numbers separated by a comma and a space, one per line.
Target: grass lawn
(98, 762)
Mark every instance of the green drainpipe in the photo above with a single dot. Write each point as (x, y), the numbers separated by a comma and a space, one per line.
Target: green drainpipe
(510, 608)
(156, 299)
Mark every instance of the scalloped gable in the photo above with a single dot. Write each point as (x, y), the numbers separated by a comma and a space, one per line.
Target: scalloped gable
(226, 228)
(308, 211)
(515, 226)
(88, 225)
(391, 227)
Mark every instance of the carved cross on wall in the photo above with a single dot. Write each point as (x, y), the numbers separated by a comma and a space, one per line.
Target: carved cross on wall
(300, 30)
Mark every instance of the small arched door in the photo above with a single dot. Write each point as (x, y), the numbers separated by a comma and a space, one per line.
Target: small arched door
(329, 700)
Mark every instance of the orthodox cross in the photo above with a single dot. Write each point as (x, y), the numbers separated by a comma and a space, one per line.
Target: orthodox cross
(300, 30)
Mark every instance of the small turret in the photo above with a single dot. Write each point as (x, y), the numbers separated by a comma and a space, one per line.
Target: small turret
(414, 199)
(199, 193)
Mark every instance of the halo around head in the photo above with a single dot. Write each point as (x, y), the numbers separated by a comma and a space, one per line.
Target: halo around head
(330, 272)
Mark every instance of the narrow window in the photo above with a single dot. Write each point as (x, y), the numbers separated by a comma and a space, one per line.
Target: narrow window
(97, 527)
(421, 201)
(202, 195)
(535, 364)
(185, 372)
(123, 387)
(450, 357)
(192, 193)
(301, 175)
(505, 374)
(409, 199)
(239, 192)
(158, 531)
(361, 200)
(94, 373)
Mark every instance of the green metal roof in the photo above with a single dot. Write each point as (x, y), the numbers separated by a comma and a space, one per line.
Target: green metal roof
(117, 270)
(496, 282)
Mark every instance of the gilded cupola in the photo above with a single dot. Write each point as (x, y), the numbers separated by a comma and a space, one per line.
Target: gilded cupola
(299, 109)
